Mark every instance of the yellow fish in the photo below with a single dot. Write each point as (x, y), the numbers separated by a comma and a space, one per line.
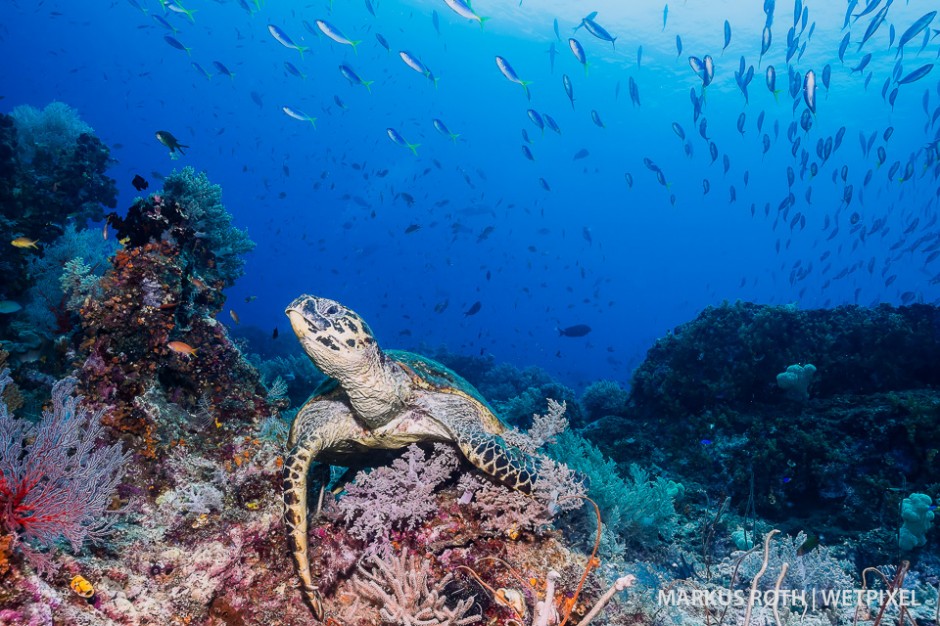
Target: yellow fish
(82, 587)
(25, 242)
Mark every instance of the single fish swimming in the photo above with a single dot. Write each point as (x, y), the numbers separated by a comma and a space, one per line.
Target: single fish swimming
(283, 39)
(463, 9)
(398, 139)
(337, 35)
(299, 115)
(168, 140)
(511, 75)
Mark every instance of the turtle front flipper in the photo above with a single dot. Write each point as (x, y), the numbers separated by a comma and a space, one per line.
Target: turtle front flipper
(490, 453)
(316, 428)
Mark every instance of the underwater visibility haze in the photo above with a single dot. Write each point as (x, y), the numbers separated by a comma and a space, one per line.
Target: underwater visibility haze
(676, 263)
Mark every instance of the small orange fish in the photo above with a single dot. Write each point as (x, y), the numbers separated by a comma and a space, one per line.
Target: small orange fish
(25, 242)
(234, 316)
(82, 587)
(182, 348)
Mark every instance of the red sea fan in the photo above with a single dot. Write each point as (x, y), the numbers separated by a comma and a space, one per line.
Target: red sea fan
(55, 481)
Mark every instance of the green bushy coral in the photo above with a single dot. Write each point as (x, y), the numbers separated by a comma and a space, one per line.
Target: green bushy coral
(604, 397)
(201, 204)
(639, 510)
(53, 131)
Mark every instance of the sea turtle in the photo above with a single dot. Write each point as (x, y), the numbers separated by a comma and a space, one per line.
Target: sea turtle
(379, 400)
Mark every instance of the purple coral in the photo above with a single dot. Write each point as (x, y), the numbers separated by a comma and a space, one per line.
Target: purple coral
(54, 480)
(400, 496)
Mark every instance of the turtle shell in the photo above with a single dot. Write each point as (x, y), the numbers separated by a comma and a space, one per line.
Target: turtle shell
(430, 375)
(437, 376)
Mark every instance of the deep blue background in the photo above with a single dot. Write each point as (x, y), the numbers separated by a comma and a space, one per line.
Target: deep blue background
(307, 196)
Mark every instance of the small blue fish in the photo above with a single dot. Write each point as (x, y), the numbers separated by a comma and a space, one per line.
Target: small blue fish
(337, 35)
(299, 115)
(706, 442)
(176, 44)
(916, 75)
(727, 36)
(382, 42)
(224, 71)
(292, 69)
(511, 75)
(569, 89)
(162, 22)
(598, 31)
(527, 153)
(201, 70)
(771, 75)
(353, 78)
(921, 24)
(399, 140)
(578, 51)
(596, 118)
(843, 46)
(809, 90)
(551, 123)
(555, 26)
(463, 9)
(862, 64)
(678, 46)
(286, 41)
(440, 127)
(665, 16)
(765, 41)
(536, 119)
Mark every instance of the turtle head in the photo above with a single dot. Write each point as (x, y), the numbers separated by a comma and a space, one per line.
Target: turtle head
(338, 341)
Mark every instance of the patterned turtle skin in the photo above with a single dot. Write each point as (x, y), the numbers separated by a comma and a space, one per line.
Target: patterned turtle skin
(375, 401)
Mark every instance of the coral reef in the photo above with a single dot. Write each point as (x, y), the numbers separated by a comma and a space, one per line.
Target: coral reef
(52, 182)
(188, 212)
(730, 355)
(150, 300)
(706, 404)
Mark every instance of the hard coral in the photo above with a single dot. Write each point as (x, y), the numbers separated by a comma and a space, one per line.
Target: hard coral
(150, 298)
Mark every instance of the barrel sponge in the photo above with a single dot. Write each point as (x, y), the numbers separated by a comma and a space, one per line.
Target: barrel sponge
(917, 518)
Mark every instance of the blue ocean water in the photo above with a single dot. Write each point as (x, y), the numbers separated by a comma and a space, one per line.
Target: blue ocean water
(329, 205)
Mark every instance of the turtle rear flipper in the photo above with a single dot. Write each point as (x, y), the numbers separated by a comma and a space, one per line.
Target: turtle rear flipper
(491, 454)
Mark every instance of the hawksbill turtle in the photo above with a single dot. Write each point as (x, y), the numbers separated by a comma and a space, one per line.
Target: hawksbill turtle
(379, 400)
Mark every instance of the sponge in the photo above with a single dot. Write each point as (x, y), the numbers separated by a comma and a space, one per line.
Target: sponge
(796, 380)
(917, 513)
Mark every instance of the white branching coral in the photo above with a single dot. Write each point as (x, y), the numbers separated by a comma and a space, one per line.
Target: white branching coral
(277, 390)
(544, 429)
(398, 585)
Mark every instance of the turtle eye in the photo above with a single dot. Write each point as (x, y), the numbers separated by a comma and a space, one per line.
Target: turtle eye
(333, 310)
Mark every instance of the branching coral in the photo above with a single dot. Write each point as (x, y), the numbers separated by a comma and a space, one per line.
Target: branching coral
(399, 496)
(399, 586)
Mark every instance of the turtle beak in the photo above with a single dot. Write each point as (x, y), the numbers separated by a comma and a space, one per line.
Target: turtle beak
(304, 317)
